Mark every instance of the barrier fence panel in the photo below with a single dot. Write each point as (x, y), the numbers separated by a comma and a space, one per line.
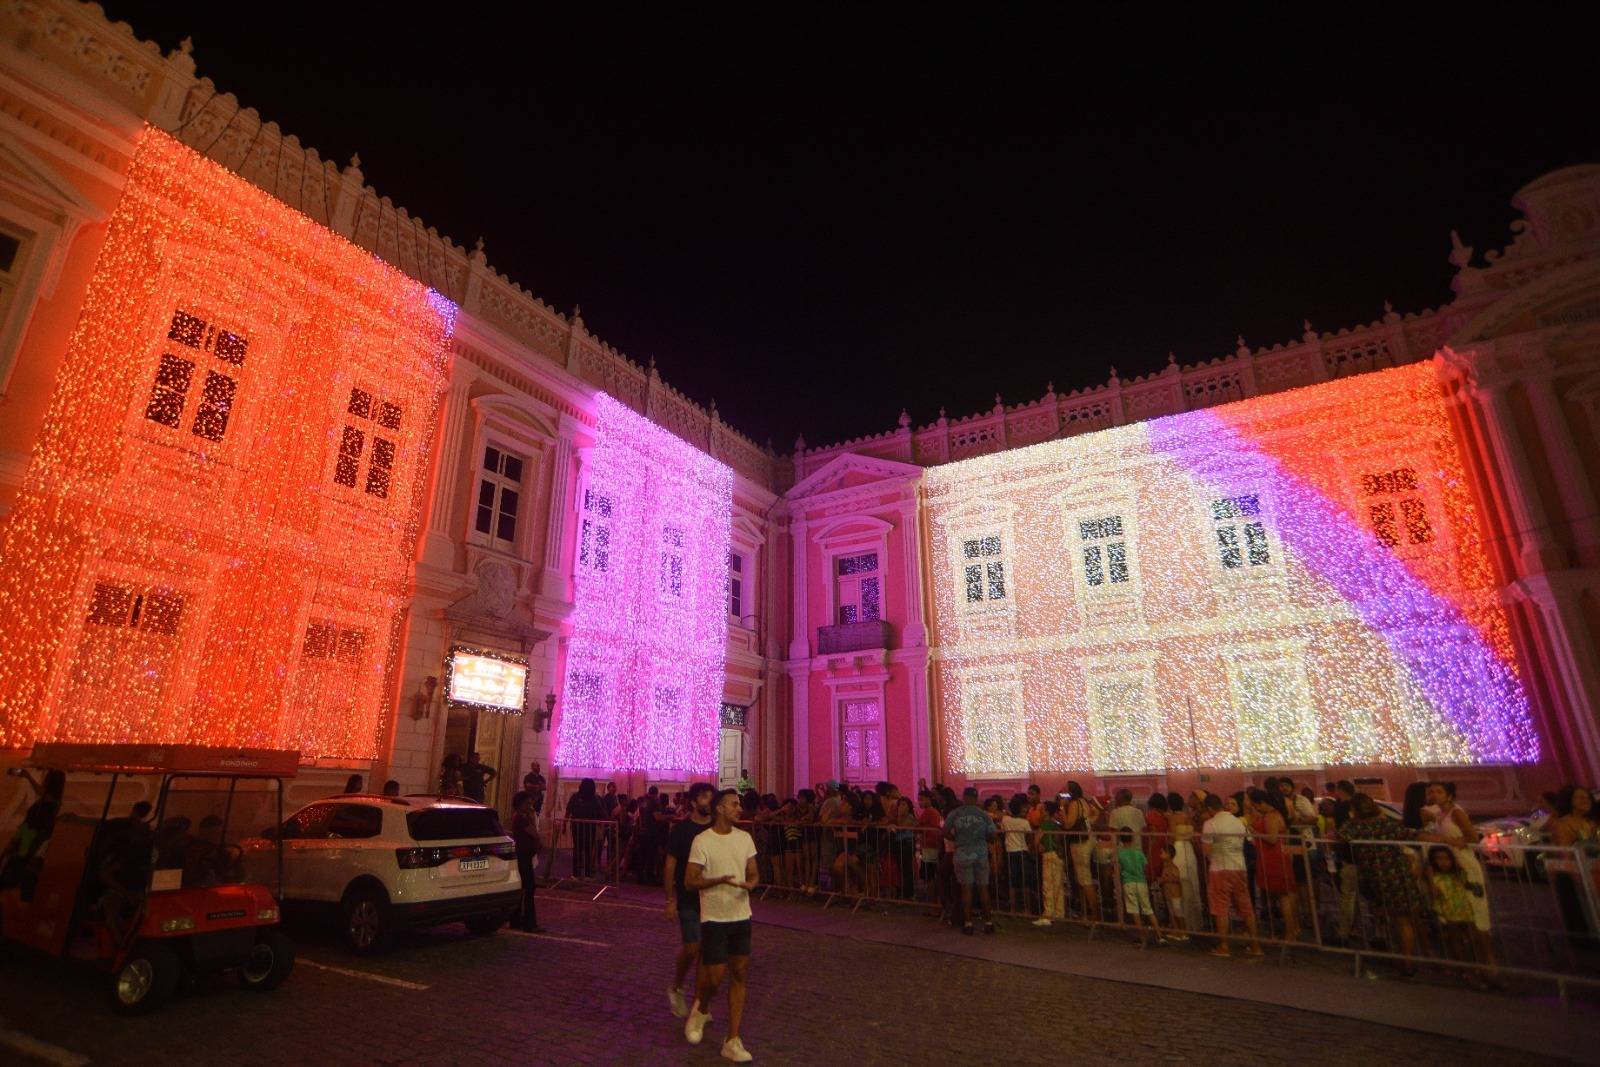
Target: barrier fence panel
(583, 850)
(1462, 907)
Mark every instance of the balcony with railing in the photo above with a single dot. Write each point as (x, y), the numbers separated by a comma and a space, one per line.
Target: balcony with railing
(853, 637)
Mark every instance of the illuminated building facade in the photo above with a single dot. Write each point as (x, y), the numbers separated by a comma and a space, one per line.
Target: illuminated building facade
(1371, 552)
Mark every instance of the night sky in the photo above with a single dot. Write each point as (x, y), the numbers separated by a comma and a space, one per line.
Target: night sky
(819, 221)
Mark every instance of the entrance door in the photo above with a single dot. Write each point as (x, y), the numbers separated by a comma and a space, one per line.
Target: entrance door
(861, 745)
(730, 758)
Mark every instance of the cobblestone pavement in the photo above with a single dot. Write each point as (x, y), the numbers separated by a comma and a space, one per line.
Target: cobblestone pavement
(594, 993)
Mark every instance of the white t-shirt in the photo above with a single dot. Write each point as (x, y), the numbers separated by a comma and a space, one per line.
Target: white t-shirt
(719, 855)
(1017, 830)
(1226, 835)
(1127, 818)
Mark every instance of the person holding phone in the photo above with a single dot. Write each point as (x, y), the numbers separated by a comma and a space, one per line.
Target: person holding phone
(722, 868)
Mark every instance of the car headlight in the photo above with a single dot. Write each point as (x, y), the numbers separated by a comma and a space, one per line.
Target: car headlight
(173, 926)
(267, 915)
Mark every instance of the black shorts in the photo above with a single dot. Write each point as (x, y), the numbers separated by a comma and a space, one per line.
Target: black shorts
(718, 941)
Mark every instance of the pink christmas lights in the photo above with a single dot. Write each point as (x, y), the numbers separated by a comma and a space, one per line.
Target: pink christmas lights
(644, 671)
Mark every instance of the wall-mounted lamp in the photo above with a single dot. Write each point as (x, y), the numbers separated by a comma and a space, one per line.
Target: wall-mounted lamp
(541, 719)
(424, 703)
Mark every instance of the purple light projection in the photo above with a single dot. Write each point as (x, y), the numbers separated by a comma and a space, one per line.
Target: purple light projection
(644, 671)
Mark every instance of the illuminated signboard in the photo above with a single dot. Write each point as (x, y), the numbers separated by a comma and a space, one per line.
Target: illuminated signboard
(489, 680)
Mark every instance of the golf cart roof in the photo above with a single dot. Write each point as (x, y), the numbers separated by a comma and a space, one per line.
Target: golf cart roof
(168, 759)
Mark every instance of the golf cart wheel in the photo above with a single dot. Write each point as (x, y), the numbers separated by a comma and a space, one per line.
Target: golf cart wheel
(271, 960)
(366, 920)
(484, 925)
(147, 978)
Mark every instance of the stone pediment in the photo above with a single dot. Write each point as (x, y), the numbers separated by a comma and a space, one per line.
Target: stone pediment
(495, 607)
(852, 471)
(1565, 297)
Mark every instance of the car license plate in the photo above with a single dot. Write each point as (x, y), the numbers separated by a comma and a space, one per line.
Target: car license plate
(481, 864)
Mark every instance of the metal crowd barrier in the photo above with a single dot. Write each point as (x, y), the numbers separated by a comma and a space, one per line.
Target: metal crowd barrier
(582, 852)
(1533, 914)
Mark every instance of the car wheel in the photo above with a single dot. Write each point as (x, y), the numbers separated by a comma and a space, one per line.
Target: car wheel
(484, 925)
(271, 959)
(146, 979)
(366, 920)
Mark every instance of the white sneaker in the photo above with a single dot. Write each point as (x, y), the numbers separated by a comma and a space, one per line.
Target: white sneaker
(694, 1027)
(1041, 921)
(733, 1049)
(680, 1007)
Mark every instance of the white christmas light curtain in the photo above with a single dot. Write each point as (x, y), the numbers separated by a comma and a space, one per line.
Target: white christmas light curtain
(1291, 580)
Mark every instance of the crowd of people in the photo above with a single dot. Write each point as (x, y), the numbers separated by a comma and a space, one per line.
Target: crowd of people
(1251, 865)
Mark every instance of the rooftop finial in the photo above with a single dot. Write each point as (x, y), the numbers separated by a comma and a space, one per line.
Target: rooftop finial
(355, 160)
(1389, 313)
(799, 443)
(186, 46)
(1460, 254)
(905, 419)
(1310, 334)
(1240, 348)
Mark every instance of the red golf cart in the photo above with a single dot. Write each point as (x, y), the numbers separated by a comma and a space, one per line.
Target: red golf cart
(151, 901)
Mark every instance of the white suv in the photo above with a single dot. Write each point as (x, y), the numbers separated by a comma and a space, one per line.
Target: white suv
(394, 862)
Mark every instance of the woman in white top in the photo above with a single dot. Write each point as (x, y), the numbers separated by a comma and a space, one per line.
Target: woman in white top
(1181, 826)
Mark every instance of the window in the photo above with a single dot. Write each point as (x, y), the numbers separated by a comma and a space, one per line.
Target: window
(499, 493)
(170, 394)
(367, 416)
(1277, 725)
(1398, 515)
(1105, 551)
(326, 641)
(594, 534)
(861, 747)
(859, 588)
(156, 611)
(983, 570)
(583, 690)
(308, 822)
(996, 736)
(1241, 534)
(328, 683)
(355, 821)
(125, 654)
(736, 585)
(671, 574)
(1124, 729)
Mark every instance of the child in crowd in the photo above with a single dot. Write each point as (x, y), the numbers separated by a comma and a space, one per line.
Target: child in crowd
(1053, 864)
(1171, 881)
(1131, 861)
(1451, 896)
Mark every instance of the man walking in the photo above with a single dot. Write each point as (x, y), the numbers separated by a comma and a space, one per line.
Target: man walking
(683, 905)
(971, 829)
(722, 866)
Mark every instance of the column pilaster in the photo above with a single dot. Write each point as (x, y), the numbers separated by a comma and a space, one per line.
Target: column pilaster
(439, 542)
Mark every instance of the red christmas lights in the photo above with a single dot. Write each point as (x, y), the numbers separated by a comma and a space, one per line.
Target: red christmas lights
(214, 540)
